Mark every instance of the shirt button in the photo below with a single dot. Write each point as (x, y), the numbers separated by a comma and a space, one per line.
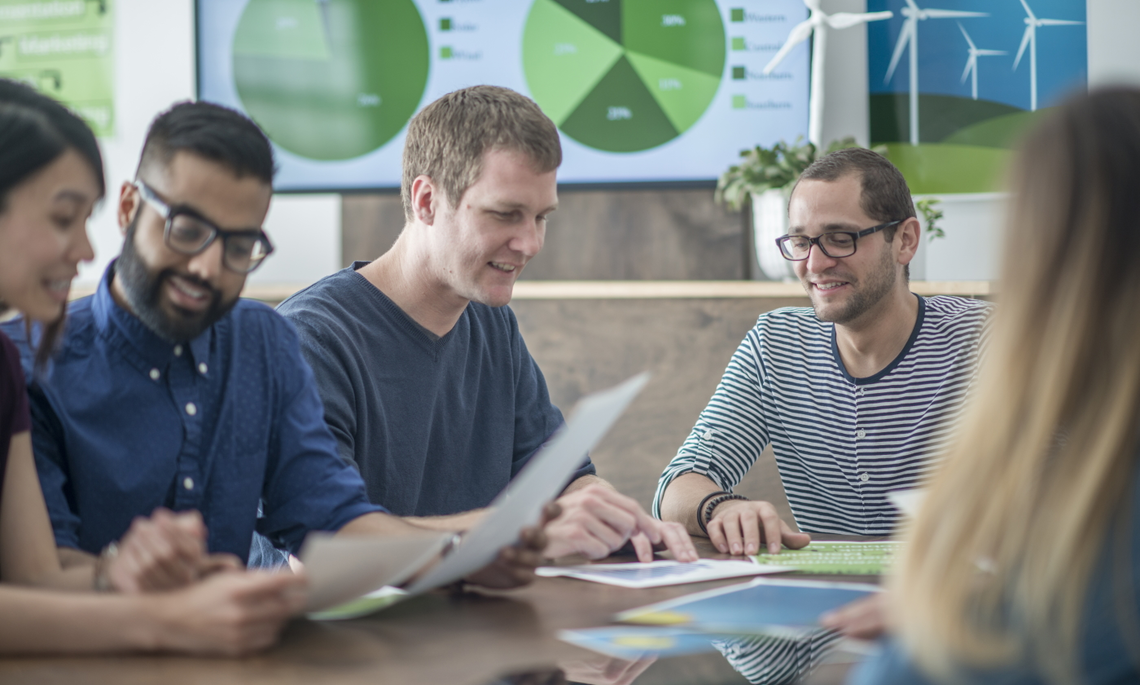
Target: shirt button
(154, 374)
(865, 477)
(188, 483)
(860, 433)
(202, 368)
(191, 409)
(177, 350)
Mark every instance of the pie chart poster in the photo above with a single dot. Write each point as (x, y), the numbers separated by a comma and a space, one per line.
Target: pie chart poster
(642, 91)
(974, 97)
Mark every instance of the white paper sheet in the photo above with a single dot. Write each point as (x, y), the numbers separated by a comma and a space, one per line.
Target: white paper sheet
(907, 501)
(540, 481)
(659, 573)
(344, 567)
(361, 606)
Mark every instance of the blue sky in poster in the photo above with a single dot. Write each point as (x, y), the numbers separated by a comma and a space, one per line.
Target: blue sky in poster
(1062, 51)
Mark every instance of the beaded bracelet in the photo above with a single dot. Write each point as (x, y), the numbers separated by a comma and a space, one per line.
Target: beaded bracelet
(716, 502)
(701, 508)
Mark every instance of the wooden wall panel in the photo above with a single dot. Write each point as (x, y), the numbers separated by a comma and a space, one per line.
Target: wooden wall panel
(595, 235)
(587, 345)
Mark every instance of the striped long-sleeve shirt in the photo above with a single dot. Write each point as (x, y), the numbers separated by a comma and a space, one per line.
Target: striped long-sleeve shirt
(841, 443)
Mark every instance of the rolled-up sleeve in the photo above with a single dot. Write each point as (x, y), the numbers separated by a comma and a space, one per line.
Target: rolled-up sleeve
(730, 433)
(308, 485)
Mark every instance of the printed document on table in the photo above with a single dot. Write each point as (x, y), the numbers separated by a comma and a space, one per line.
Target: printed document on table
(836, 558)
(660, 573)
(764, 606)
(636, 642)
(539, 482)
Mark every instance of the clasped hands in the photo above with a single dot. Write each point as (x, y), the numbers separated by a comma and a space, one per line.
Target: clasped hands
(167, 551)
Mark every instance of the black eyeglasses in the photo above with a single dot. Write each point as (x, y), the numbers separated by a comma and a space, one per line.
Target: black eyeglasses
(834, 244)
(188, 233)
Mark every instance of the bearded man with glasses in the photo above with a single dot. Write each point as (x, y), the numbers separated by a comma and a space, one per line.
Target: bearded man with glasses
(169, 393)
(857, 394)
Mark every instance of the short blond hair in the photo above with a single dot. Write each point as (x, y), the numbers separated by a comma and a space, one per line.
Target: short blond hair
(447, 139)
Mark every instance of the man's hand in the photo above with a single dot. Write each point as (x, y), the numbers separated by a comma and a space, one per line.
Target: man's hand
(230, 613)
(597, 520)
(739, 526)
(865, 619)
(164, 552)
(514, 567)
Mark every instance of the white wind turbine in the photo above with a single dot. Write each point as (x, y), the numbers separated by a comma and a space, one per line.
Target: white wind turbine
(908, 37)
(817, 22)
(1029, 38)
(972, 62)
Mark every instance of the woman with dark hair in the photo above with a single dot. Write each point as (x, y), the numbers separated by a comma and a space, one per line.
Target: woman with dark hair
(51, 176)
(1023, 565)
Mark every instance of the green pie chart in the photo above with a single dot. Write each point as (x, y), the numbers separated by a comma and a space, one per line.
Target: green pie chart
(624, 75)
(330, 79)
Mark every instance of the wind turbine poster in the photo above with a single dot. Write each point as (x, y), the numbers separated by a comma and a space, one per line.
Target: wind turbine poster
(953, 83)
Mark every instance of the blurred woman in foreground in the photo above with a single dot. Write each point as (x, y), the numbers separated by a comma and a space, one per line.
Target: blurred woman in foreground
(1024, 563)
(51, 176)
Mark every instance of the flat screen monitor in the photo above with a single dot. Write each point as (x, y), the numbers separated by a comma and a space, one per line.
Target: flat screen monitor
(642, 91)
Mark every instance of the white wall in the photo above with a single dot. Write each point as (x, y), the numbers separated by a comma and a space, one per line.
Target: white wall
(154, 68)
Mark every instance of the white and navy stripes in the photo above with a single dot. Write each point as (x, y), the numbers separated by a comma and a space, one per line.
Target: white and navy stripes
(841, 443)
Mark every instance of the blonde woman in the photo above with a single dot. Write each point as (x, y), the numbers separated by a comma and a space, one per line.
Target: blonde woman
(50, 178)
(1024, 563)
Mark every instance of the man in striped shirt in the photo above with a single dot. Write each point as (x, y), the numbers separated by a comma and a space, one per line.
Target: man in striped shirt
(857, 395)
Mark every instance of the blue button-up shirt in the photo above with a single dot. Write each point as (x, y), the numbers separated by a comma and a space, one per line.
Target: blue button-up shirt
(125, 422)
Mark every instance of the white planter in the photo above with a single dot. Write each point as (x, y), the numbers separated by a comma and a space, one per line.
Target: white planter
(971, 250)
(770, 221)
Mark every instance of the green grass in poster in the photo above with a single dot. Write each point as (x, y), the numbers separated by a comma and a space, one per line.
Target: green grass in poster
(965, 144)
(934, 168)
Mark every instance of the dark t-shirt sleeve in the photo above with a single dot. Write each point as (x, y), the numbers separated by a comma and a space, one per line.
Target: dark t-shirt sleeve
(14, 418)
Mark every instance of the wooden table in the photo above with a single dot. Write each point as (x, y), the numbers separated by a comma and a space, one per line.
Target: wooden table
(457, 639)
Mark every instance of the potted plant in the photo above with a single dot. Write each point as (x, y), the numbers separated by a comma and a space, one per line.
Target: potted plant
(763, 179)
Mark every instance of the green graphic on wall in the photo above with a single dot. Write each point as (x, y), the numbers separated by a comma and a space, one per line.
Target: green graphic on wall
(624, 75)
(331, 79)
(64, 49)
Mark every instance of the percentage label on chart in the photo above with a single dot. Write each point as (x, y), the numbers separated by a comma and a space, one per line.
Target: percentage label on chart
(672, 20)
(669, 84)
(565, 49)
(618, 113)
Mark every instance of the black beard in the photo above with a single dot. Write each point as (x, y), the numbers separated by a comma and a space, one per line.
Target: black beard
(143, 290)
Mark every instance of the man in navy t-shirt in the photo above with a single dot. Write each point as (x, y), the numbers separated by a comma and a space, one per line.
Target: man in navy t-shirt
(427, 384)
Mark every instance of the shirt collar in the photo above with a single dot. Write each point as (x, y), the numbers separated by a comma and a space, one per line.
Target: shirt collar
(140, 344)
